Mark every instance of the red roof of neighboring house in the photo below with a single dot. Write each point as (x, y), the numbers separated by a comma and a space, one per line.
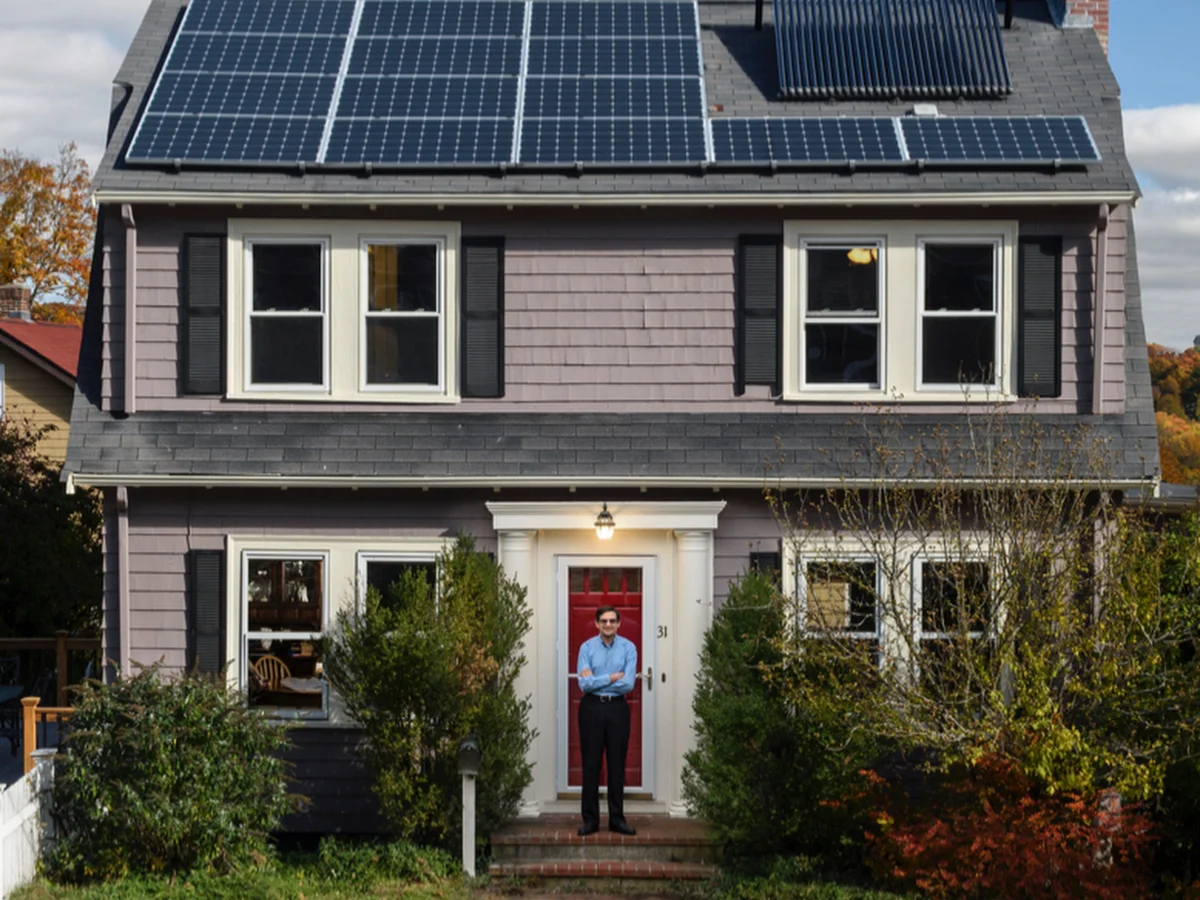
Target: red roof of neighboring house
(58, 345)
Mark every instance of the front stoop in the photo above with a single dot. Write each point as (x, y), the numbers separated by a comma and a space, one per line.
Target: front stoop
(548, 848)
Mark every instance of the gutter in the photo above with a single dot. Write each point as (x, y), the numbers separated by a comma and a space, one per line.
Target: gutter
(781, 199)
(714, 483)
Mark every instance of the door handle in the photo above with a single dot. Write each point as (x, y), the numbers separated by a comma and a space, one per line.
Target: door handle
(648, 675)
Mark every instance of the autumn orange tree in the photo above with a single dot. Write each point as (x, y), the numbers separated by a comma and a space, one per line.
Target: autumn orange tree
(1176, 381)
(47, 224)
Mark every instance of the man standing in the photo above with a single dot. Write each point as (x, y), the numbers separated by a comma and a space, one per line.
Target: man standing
(607, 668)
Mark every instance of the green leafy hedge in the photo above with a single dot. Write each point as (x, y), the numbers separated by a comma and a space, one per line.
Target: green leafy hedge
(165, 775)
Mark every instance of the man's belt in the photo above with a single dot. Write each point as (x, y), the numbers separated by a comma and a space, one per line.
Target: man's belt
(607, 698)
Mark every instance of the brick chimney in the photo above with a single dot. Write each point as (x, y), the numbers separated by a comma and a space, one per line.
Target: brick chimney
(14, 302)
(1089, 14)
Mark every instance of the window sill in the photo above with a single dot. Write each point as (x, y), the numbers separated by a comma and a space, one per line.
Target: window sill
(328, 397)
(915, 398)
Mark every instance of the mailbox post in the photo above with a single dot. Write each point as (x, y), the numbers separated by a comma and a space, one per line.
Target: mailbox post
(469, 758)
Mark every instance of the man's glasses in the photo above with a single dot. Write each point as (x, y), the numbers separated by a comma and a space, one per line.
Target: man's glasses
(609, 621)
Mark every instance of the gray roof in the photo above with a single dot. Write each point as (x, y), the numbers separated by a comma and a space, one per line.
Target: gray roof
(1054, 72)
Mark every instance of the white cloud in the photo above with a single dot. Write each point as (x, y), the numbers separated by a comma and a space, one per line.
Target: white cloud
(1164, 143)
(1164, 148)
(60, 57)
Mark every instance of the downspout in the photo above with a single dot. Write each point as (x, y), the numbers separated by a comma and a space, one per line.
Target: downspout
(1101, 310)
(130, 309)
(123, 600)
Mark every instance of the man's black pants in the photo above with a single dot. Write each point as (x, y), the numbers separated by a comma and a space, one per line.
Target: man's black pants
(603, 731)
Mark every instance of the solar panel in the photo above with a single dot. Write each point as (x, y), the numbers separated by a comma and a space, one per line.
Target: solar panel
(605, 98)
(881, 48)
(613, 56)
(331, 17)
(740, 141)
(421, 142)
(426, 17)
(228, 139)
(471, 97)
(813, 140)
(574, 18)
(245, 95)
(975, 139)
(613, 141)
(436, 56)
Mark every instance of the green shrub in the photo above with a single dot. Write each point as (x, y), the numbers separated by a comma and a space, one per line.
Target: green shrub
(365, 864)
(423, 668)
(165, 775)
(768, 774)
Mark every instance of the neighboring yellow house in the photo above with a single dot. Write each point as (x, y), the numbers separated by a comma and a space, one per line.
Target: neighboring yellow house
(38, 362)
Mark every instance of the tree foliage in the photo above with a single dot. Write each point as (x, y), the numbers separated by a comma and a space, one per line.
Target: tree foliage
(1176, 382)
(47, 224)
(1022, 616)
(165, 775)
(420, 669)
(50, 563)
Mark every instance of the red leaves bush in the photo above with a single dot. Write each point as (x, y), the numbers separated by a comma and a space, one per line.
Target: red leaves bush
(988, 834)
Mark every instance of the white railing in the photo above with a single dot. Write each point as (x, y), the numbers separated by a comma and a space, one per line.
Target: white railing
(22, 821)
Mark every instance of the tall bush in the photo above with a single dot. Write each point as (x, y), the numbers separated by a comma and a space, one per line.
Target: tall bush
(420, 669)
(769, 773)
(165, 775)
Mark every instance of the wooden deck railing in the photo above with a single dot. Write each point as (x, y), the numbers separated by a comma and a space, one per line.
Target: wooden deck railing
(61, 643)
(34, 716)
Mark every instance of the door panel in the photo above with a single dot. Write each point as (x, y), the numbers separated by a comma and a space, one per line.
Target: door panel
(587, 590)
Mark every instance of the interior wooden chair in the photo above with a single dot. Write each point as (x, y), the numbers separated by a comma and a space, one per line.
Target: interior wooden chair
(272, 670)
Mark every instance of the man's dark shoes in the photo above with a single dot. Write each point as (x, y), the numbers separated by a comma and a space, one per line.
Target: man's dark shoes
(588, 828)
(620, 826)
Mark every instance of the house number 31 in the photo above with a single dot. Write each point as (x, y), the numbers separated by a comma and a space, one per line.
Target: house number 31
(662, 631)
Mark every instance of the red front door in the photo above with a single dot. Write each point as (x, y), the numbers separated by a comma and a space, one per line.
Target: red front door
(587, 590)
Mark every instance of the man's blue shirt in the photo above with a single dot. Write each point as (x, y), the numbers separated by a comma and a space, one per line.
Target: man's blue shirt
(604, 660)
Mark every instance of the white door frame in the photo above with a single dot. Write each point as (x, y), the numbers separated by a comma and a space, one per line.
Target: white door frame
(565, 657)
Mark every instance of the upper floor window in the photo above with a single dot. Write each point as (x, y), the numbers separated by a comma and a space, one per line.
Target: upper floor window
(343, 310)
(899, 310)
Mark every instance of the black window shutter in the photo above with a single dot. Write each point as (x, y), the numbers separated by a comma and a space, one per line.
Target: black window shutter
(483, 317)
(759, 302)
(767, 563)
(1039, 317)
(206, 611)
(202, 318)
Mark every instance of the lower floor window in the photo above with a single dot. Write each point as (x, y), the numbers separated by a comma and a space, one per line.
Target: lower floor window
(392, 576)
(839, 599)
(285, 616)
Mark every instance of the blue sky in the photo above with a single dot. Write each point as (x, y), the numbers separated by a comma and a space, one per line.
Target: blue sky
(1153, 45)
(60, 57)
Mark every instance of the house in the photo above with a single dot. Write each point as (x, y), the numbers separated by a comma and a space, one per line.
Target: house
(37, 370)
(547, 258)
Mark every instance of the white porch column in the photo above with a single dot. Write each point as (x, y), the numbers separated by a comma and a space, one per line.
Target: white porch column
(517, 557)
(693, 613)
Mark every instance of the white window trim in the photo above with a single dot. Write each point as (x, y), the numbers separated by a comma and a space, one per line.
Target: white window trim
(901, 308)
(341, 579)
(438, 240)
(345, 274)
(249, 314)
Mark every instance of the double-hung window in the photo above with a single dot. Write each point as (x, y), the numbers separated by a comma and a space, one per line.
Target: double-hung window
(960, 309)
(288, 334)
(383, 572)
(284, 614)
(954, 600)
(886, 311)
(343, 310)
(842, 313)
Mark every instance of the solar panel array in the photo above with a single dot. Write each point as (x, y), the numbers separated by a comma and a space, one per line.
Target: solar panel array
(883, 48)
(539, 83)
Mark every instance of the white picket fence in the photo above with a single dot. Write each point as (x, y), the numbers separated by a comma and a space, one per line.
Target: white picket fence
(22, 822)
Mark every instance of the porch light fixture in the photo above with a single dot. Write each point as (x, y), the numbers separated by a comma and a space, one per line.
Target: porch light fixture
(605, 524)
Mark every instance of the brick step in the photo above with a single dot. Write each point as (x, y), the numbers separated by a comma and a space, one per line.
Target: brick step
(600, 851)
(606, 869)
(554, 839)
